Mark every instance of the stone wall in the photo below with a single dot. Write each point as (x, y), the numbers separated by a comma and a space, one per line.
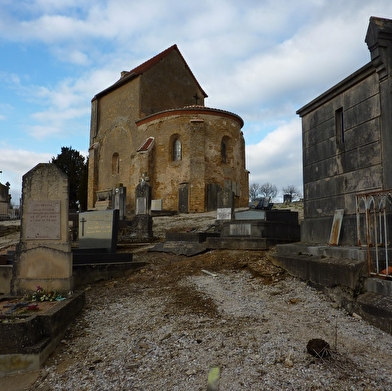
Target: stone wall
(167, 85)
(201, 131)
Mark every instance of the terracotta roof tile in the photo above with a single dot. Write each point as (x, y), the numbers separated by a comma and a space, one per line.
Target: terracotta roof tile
(146, 145)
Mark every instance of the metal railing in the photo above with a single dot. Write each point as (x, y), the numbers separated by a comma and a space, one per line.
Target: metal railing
(372, 229)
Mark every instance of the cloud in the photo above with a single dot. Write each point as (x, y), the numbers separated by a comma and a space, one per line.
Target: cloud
(14, 163)
(65, 106)
(262, 60)
(277, 158)
(299, 68)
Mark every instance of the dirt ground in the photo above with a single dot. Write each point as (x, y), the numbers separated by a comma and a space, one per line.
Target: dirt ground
(164, 326)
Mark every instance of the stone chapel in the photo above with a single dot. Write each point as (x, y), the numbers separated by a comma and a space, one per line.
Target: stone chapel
(152, 125)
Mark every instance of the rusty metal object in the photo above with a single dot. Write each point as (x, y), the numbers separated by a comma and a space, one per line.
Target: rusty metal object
(336, 227)
(373, 206)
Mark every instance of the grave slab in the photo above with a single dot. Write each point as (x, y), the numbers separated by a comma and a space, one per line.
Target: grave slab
(98, 230)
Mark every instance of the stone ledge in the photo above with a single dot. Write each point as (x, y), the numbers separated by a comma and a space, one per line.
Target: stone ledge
(375, 309)
(344, 280)
(26, 344)
(237, 243)
(326, 272)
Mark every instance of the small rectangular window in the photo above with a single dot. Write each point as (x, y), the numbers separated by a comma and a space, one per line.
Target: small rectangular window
(339, 125)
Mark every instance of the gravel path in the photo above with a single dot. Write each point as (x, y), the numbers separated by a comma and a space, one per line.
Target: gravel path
(165, 326)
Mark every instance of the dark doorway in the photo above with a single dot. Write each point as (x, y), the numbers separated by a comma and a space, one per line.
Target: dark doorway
(183, 198)
(212, 196)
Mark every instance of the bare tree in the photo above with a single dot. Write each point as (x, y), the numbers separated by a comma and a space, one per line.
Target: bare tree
(254, 191)
(268, 190)
(294, 192)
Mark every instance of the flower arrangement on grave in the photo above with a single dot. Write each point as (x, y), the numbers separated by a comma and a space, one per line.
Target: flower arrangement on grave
(41, 295)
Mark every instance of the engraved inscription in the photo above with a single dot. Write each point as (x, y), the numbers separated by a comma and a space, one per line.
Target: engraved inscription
(240, 229)
(96, 229)
(141, 205)
(223, 214)
(43, 220)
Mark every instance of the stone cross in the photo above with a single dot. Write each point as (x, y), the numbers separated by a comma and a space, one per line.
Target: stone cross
(196, 97)
(83, 220)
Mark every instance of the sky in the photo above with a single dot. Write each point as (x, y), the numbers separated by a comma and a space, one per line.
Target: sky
(261, 59)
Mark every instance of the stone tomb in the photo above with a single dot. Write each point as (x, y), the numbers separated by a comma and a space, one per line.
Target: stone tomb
(43, 256)
(257, 230)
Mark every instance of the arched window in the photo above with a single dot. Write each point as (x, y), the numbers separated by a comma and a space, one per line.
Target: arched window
(115, 163)
(223, 151)
(177, 150)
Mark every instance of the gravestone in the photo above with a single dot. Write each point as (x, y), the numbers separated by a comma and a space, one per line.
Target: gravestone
(119, 197)
(141, 225)
(156, 205)
(104, 199)
(99, 230)
(225, 203)
(43, 256)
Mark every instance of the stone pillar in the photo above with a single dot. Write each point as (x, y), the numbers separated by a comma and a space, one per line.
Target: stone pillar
(197, 166)
(43, 255)
(379, 41)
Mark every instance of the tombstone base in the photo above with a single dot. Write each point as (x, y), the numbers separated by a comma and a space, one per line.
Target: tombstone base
(141, 227)
(47, 267)
(22, 286)
(26, 344)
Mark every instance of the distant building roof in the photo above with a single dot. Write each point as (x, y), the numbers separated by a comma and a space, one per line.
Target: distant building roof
(140, 69)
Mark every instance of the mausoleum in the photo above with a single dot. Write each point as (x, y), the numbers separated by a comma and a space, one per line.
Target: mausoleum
(347, 143)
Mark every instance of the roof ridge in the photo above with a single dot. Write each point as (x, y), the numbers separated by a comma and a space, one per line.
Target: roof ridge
(145, 66)
(153, 60)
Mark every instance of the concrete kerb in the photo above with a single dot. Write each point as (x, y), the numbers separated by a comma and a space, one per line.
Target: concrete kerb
(342, 274)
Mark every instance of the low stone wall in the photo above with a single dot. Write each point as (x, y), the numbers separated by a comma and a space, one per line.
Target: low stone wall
(341, 273)
(26, 342)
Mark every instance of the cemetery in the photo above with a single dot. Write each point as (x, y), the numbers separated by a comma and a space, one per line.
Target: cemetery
(44, 261)
(166, 323)
(63, 261)
(244, 283)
